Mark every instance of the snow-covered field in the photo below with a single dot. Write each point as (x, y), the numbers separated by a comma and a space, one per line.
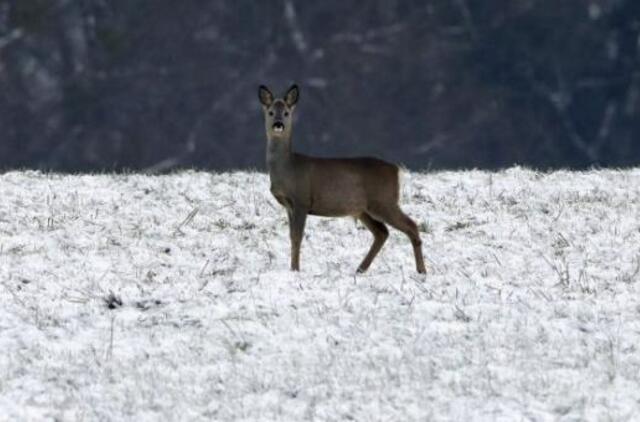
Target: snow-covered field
(130, 297)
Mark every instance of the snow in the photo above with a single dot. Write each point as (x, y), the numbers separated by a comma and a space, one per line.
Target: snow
(529, 311)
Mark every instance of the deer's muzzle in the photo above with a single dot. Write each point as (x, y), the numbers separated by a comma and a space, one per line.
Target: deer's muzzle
(278, 127)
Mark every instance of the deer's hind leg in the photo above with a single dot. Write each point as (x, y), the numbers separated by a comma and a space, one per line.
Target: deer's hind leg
(397, 219)
(380, 234)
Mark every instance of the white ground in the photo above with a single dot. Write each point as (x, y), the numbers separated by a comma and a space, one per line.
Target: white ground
(530, 310)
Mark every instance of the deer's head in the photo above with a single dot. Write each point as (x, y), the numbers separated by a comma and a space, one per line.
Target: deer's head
(278, 112)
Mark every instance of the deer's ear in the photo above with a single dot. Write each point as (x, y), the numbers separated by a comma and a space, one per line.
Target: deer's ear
(291, 97)
(265, 96)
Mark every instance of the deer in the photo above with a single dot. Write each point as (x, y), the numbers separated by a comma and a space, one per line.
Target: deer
(365, 188)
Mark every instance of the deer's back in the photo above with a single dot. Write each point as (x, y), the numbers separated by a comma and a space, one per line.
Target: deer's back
(348, 186)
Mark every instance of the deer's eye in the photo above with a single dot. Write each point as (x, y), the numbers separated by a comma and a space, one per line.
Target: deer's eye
(271, 113)
(286, 113)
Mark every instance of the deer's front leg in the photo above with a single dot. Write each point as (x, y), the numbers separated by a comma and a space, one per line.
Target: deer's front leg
(297, 219)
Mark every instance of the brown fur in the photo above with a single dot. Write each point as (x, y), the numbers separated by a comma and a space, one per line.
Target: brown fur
(365, 188)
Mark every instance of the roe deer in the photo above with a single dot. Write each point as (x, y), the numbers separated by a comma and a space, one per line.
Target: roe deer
(365, 188)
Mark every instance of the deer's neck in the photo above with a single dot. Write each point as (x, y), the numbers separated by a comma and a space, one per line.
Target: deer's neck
(279, 154)
(280, 159)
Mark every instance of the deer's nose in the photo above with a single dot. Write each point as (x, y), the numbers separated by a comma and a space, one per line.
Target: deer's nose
(278, 126)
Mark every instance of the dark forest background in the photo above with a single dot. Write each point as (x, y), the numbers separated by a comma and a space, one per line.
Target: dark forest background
(160, 84)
